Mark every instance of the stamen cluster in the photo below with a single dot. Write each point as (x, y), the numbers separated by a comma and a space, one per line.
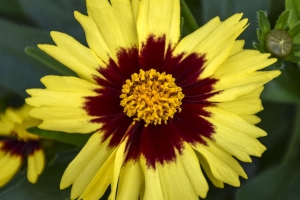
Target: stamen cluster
(151, 96)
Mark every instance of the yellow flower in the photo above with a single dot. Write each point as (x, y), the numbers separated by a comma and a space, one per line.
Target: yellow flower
(16, 143)
(163, 110)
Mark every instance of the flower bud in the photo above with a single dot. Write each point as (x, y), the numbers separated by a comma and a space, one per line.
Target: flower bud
(279, 43)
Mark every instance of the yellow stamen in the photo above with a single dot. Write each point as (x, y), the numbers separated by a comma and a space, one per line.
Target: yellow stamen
(151, 96)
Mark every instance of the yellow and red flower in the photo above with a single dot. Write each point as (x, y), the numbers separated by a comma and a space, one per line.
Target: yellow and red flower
(163, 110)
(16, 144)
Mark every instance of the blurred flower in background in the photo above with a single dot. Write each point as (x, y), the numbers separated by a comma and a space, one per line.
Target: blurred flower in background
(16, 144)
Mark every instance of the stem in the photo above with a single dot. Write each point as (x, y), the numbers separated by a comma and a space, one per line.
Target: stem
(293, 151)
(189, 18)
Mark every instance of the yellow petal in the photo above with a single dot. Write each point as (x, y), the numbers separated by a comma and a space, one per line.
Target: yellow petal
(6, 126)
(191, 165)
(91, 168)
(94, 37)
(245, 79)
(70, 125)
(238, 145)
(235, 92)
(233, 122)
(130, 181)
(16, 121)
(12, 116)
(191, 41)
(253, 119)
(159, 18)
(225, 36)
(236, 142)
(135, 8)
(115, 22)
(237, 105)
(39, 160)
(216, 43)
(173, 180)
(244, 62)
(66, 58)
(45, 97)
(119, 160)
(224, 167)
(84, 55)
(36, 163)
(64, 108)
(68, 84)
(101, 180)
(10, 165)
(237, 47)
(32, 174)
(153, 187)
(88, 152)
(208, 172)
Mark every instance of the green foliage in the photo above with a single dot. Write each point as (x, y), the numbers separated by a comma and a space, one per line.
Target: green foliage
(295, 31)
(279, 181)
(275, 183)
(55, 15)
(283, 20)
(16, 66)
(294, 7)
(49, 61)
(285, 88)
(74, 139)
(263, 23)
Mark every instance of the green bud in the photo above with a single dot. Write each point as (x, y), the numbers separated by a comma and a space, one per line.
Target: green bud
(279, 43)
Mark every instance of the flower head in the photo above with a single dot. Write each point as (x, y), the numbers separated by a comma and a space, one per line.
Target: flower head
(16, 143)
(163, 110)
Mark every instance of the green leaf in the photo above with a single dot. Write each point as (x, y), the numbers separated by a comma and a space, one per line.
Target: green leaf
(292, 156)
(181, 26)
(263, 22)
(277, 138)
(271, 184)
(258, 47)
(47, 187)
(295, 31)
(296, 48)
(293, 191)
(285, 88)
(18, 70)
(190, 22)
(69, 138)
(49, 61)
(283, 20)
(277, 182)
(293, 58)
(294, 7)
(259, 35)
(56, 15)
(11, 9)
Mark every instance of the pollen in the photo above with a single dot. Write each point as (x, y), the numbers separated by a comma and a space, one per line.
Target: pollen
(151, 96)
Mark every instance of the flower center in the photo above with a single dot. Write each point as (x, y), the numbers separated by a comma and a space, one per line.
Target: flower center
(151, 96)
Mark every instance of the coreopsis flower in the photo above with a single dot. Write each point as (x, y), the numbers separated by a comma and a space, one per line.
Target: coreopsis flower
(164, 111)
(16, 144)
